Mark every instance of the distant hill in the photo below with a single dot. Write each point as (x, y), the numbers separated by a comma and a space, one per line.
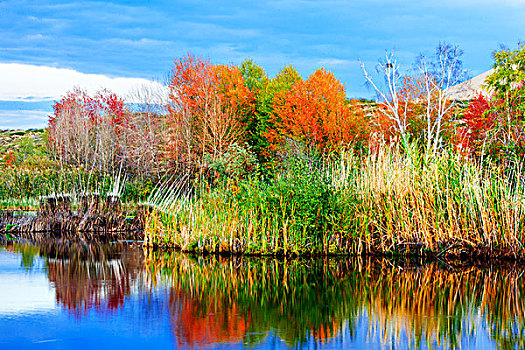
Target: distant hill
(11, 139)
(470, 88)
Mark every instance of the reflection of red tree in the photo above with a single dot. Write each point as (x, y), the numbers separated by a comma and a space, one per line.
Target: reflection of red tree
(204, 323)
(81, 286)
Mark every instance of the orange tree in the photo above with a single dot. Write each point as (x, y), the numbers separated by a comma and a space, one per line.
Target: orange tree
(208, 105)
(315, 112)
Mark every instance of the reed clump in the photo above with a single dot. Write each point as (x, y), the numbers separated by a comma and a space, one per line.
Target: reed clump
(387, 202)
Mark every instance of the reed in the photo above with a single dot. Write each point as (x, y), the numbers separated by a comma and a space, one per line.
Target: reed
(388, 202)
(21, 186)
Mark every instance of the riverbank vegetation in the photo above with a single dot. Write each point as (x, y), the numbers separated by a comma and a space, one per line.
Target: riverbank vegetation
(235, 161)
(391, 201)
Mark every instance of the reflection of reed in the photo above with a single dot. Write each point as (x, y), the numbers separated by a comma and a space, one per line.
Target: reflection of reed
(250, 297)
(432, 304)
(315, 298)
(92, 276)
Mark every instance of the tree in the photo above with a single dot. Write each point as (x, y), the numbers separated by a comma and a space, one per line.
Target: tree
(207, 106)
(85, 130)
(256, 123)
(477, 124)
(440, 72)
(146, 137)
(391, 104)
(260, 126)
(315, 112)
(406, 99)
(508, 100)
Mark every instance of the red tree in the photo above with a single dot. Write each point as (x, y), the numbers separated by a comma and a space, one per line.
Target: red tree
(85, 130)
(477, 122)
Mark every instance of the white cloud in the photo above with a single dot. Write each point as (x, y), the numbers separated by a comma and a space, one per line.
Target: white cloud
(24, 82)
(333, 62)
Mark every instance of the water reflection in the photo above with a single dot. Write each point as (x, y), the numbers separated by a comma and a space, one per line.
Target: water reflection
(413, 305)
(93, 277)
(201, 301)
(86, 276)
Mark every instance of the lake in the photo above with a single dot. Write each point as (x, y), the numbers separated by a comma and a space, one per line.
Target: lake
(120, 296)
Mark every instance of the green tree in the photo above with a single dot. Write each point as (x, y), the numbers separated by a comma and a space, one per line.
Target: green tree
(268, 92)
(256, 80)
(508, 104)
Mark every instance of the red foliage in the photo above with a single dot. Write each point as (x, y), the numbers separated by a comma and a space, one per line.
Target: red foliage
(10, 159)
(477, 122)
(103, 104)
(87, 129)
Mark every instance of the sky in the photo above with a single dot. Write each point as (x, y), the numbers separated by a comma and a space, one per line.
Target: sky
(49, 47)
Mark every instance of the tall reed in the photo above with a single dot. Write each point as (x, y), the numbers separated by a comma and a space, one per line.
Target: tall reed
(386, 202)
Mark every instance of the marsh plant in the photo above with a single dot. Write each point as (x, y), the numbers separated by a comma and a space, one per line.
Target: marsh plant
(390, 201)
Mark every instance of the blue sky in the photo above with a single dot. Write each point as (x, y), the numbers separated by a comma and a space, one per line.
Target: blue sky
(140, 39)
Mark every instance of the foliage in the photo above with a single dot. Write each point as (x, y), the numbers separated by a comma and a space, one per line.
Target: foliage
(99, 132)
(236, 163)
(403, 301)
(315, 112)
(387, 202)
(84, 130)
(508, 103)
(209, 105)
(477, 121)
(267, 93)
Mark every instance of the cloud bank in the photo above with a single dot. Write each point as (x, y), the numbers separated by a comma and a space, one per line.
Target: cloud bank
(31, 83)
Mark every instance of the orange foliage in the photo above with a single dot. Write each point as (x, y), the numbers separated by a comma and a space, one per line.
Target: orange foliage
(315, 111)
(208, 103)
(235, 94)
(218, 324)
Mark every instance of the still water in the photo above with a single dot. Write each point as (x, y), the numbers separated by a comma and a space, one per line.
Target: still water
(56, 296)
